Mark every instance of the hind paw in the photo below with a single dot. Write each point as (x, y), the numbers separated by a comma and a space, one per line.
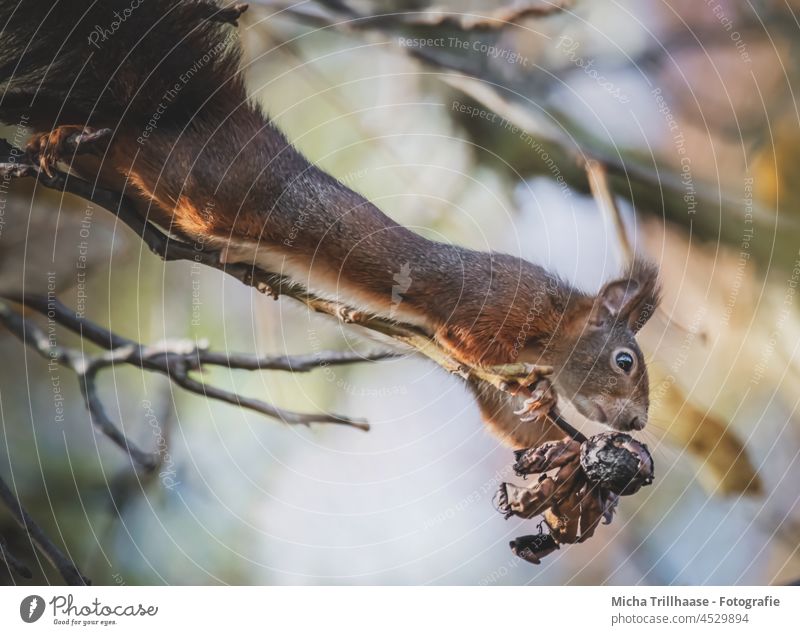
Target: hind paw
(61, 144)
(350, 316)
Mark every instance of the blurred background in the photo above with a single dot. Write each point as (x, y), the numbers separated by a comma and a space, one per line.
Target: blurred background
(467, 121)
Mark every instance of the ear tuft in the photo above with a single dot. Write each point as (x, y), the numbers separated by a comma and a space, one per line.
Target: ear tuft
(648, 296)
(632, 298)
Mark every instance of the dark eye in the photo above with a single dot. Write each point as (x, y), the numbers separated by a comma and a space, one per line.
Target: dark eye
(624, 360)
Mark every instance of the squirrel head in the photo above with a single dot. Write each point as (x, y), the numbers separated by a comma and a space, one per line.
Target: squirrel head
(602, 370)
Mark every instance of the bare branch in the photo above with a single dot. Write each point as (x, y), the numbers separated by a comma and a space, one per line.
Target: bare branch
(69, 572)
(604, 196)
(175, 359)
(291, 363)
(29, 333)
(13, 564)
(493, 18)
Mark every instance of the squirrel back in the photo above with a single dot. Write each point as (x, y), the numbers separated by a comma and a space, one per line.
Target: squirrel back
(163, 76)
(105, 63)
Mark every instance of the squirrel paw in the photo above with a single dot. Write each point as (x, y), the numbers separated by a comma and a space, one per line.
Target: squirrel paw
(541, 401)
(266, 289)
(349, 316)
(523, 378)
(61, 144)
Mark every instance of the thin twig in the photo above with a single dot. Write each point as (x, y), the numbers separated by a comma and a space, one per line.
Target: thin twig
(604, 196)
(68, 570)
(567, 428)
(597, 175)
(175, 359)
(35, 338)
(493, 18)
(14, 564)
(291, 363)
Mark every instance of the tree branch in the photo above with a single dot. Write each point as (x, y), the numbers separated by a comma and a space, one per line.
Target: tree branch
(174, 359)
(171, 248)
(604, 197)
(485, 19)
(53, 554)
(13, 564)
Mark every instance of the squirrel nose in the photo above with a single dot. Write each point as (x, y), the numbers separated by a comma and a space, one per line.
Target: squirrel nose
(637, 423)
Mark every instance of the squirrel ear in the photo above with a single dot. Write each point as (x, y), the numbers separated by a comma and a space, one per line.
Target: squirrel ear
(632, 299)
(612, 301)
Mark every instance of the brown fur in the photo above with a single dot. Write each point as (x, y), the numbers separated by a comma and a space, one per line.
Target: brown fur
(212, 166)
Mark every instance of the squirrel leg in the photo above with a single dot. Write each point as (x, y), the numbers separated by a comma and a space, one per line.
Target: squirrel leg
(497, 411)
(350, 316)
(541, 401)
(63, 143)
(520, 379)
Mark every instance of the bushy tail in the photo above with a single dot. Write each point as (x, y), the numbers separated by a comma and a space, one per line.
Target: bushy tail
(99, 62)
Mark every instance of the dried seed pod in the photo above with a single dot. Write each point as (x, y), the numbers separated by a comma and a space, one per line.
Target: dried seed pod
(563, 518)
(569, 479)
(534, 548)
(617, 462)
(525, 502)
(592, 508)
(546, 457)
(610, 502)
(579, 486)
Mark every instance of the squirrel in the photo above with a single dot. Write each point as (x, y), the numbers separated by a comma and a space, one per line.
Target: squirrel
(155, 89)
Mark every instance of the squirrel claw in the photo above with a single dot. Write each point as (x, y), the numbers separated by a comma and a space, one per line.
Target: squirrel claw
(61, 144)
(541, 401)
(263, 287)
(348, 315)
(520, 378)
(535, 374)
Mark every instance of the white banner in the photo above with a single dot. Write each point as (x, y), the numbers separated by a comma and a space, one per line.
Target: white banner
(381, 610)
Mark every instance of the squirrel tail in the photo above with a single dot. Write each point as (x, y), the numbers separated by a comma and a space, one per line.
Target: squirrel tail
(103, 63)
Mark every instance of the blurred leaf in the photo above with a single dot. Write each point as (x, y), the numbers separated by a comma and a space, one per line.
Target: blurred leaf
(724, 467)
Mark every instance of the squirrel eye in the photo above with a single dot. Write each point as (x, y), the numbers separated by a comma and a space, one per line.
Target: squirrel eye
(624, 360)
